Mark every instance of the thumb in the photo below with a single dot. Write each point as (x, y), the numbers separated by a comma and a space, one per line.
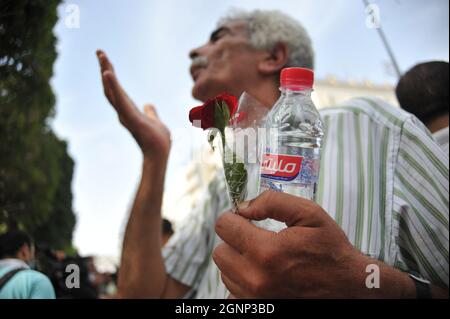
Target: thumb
(150, 111)
(283, 207)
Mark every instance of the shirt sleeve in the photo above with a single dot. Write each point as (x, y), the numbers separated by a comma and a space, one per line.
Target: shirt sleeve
(188, 252)
(421, 193)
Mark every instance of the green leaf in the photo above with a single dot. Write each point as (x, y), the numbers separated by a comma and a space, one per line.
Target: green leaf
(236, 178)
(226, 112)
(235, 172)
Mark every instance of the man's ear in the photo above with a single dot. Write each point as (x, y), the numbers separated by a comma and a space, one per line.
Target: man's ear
(24, 252)
(273, 61)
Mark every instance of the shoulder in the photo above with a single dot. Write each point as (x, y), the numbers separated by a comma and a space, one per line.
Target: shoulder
(34, 277)
(379, 112)
(28, 284)
(39, 284)
(376, 115)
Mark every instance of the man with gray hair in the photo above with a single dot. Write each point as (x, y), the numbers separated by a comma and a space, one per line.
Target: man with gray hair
(382, 199)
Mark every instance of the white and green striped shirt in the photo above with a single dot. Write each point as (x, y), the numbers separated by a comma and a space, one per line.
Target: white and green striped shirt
(383, 179)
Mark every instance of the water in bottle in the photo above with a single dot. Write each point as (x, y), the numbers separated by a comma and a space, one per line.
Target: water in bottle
(294, 134)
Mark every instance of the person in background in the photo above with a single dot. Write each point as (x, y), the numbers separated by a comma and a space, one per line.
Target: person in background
(17, 279)
(423, 91)
(167, 231)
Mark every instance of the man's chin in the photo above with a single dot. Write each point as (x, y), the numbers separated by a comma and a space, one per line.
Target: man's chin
(202, 92)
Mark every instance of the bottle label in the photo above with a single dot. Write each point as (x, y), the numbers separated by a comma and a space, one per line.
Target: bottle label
(287, 168)
(281, 167)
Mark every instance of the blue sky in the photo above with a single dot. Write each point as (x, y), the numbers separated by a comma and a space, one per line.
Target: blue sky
(148, 42)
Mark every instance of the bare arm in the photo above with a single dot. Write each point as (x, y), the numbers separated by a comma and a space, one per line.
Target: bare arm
(142, 273)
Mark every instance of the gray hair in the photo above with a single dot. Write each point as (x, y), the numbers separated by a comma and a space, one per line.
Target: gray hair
(267, 28)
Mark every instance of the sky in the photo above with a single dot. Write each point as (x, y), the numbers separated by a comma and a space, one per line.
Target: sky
(148, 42)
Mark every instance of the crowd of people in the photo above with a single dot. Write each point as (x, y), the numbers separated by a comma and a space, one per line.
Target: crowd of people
(30, 270)
(382, 199)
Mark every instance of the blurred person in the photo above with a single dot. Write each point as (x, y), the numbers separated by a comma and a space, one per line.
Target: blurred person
(60, 255)
(90, 279)
(423, 91)
(391, 204)
(54, 263)
(107, 288)
(93, 274)
(17, 278)
(167, 231)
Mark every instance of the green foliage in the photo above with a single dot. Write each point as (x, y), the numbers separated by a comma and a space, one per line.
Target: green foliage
(236, 177)
(35, 168)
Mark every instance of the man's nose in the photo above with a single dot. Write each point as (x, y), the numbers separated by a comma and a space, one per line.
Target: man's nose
(196, 52)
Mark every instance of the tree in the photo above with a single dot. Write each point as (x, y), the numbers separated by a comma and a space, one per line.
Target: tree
(35, 168)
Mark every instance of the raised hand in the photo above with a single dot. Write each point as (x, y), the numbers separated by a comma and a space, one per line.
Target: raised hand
(147, 129)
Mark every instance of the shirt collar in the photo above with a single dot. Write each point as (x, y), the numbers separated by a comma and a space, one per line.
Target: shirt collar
(13, 263)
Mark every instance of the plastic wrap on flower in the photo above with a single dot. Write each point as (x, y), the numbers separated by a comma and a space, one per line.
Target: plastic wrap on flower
(237, 124)
(235, 173)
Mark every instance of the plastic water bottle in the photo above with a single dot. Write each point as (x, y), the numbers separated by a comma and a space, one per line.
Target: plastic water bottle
(294, 133)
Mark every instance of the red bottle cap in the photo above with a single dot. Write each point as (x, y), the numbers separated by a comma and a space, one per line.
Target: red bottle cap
(297, 78)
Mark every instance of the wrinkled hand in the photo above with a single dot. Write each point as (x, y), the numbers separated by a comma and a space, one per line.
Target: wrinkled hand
(311, 258)
(149, 132)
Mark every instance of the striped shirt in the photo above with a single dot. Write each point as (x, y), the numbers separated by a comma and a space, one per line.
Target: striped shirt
(383, 179)
(442, 138)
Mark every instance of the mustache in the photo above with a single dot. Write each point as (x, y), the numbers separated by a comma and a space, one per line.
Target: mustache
(199, 61)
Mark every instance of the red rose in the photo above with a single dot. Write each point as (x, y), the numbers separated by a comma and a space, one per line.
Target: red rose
(213, 113)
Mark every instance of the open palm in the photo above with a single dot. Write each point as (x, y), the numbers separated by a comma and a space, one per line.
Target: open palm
(147, 129)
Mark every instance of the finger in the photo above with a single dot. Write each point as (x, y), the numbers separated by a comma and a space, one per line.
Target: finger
(283, 207)
(115, 93)
(104, 67)
(231, 263)
(234, 288)
(107, 90)
(105, 64)
(150, 111)
(123, 105)
(241, 234)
